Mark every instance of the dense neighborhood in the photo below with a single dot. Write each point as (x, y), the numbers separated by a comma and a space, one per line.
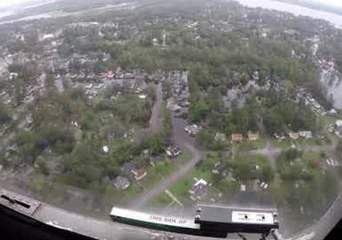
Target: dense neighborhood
(171, 106)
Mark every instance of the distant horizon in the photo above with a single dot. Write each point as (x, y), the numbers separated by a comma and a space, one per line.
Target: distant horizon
(332, 3)
(12, 3)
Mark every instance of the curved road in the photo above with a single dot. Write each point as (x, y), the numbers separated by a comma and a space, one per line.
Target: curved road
(166, 183)
(180, 138)
(107, 230)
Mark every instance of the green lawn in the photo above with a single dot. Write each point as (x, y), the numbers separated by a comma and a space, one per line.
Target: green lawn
(311, 156)
(327, 120)
(123, 195)
(251, 145)
(284, 144)
(184, 157)
(261, 160)
(164, 169)
(181, 188)
(160, 201)
(260, 143)
(204, 170)
(310, 142)
(157, 173)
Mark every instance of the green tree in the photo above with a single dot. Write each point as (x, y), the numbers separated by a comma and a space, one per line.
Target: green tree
(5, 114)
(83, 167)
(198, 110)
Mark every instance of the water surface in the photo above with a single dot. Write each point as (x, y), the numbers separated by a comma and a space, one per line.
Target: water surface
(297, 10)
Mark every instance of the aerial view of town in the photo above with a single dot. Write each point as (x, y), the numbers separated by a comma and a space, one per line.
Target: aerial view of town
(161, 105)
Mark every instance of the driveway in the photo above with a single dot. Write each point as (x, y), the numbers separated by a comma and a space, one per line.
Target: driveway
(185, 142)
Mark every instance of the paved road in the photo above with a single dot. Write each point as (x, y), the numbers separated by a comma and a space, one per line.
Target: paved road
(273, 151)
(156, 120)
(102, 229)
(166, 183)
(180, 138)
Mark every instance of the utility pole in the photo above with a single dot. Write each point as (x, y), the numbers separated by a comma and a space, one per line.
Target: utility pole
(164, 38)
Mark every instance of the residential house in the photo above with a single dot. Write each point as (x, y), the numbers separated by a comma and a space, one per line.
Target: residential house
(252, 136)
(192, 130)
(155, 42)
(332, 112)
(220, 137)
(127, 168)
(218, 169)
(142, 96)
(255, 76)
(172, 106)
(338, 123)
(338, 128)
(105, 149)
(44, 37)
(305, 134)
(199, 189)
(110, 75)
(243, 188)
(252, 185)
(236, 138)
(157, 159)
(279, 137)
(139, 173)
(121, 183)
(173, 151)
(184, 103)
(293, 135)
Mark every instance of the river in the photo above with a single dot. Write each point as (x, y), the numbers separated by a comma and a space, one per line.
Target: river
(297, 10)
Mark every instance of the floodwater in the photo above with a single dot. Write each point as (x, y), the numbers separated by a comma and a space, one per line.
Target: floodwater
(335, 19)
(32, 17)
(332, 83)
(334, 87)
(54, 14)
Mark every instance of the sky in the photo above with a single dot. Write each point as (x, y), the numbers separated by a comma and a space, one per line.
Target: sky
(337, 3)
(7, 3)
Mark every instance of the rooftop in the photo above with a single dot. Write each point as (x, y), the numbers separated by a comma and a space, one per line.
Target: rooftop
(236, 137)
